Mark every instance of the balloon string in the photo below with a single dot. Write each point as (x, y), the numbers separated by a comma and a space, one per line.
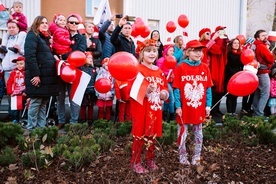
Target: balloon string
(219, 100)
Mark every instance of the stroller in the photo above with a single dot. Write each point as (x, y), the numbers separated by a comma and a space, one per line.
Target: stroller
(50, 122)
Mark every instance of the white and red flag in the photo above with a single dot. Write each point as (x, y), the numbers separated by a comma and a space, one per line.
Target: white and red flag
(139, 88)
(103, 13)
(79, 86)
(16, 102)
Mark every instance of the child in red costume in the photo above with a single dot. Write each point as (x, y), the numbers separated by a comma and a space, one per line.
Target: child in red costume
(193, 98)
(122, 90)
(20, 19)
(105, 100)
(16, 83)
(61, 36)
(147, 117)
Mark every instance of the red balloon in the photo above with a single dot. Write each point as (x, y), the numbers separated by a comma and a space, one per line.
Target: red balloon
(103, 85)
(247, 56)
(146, 32)
(183, 21)
(243, 83)
(171, 27)
(133, 31)
(68, 73)
(123, 66)
(241, 38)
(254, 63)
(76, 58)
(140, 26)
(170, 62)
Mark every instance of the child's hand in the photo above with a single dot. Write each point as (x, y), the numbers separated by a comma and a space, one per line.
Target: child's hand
(207, 111)
(178, 111)
(152, 87)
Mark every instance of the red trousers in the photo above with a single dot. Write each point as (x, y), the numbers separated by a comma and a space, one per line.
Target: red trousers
(104, 112)
(124, 111)
(86, 112)
(137, 147)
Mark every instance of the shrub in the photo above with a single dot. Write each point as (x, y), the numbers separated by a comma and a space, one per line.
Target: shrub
(7, 156)
(8, 133)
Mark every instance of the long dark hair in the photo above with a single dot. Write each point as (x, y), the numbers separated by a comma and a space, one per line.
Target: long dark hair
(36, 23)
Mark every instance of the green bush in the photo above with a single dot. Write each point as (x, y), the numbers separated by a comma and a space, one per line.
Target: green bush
(34, 159)
(51, 132)
(169, 134)
(8, 133)
(77, 129)
(123, 129)
(7, 156)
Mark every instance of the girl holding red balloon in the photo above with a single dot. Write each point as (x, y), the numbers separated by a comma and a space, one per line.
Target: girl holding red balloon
(168, 106)
(105, 98)
(89, 98)
(234, 65)
(147, 116)
(193, 99)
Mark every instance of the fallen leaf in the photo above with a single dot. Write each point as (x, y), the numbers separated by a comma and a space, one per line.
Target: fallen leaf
(13, 167)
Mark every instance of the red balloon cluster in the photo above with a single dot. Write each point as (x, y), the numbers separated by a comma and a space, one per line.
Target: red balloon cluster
(243, 83)
(103, 85)
(171, 27)
(140, 28)
(68, 71)
(170, 62)
(247, 56)
(123, 66)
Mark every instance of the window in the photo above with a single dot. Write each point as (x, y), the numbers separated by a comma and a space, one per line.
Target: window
(91, 6)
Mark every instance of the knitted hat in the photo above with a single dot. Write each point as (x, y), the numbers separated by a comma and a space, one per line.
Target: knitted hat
(20, 58)
(57, 16)
(273, 72)
(220, 28)
(204, 30)
(166, 48)
(194, 44)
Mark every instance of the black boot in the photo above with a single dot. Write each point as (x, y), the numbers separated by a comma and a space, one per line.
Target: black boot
(165, 115)
(3, 49)
(172, 116)
(15, 50)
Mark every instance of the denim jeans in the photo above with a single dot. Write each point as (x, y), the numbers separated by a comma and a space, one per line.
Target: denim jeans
(169, 106)
(74, 108)
(37, 113)
(261, 95)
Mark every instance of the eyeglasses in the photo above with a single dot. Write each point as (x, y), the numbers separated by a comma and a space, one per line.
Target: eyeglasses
(71, 22)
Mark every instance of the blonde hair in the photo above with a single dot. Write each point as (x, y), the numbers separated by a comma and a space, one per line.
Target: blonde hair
(141, 54)
(87, 22)
(17, 3)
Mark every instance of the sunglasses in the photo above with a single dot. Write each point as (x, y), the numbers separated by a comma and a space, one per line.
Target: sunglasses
(76, 23)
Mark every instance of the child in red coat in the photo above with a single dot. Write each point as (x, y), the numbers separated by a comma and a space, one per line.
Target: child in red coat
(61, 36)
(16, 83)
(147, 115)
(122, 90)
(20, 19)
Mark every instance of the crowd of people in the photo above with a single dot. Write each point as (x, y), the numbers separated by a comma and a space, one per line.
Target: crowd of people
(188, 93)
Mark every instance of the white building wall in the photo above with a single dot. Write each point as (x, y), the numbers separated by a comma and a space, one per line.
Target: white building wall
(201, 13)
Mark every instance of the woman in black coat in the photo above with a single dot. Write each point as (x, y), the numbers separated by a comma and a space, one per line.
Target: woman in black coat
(40, 72)
(233, 66)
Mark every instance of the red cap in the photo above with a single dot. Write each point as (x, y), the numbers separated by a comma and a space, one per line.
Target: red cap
(204, 30)
(194, 44)
(220, 28)
(20, 58)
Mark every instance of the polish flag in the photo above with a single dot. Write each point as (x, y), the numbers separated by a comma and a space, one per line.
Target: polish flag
(59, 64)
(79, 86)
(272, 36)
(16, 102)
(139, 88)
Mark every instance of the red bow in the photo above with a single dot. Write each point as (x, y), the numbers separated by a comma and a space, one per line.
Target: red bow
(145, 43)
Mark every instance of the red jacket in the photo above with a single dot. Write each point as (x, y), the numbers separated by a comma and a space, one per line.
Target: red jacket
(21, 21)
(263, 54)
(218, 60)
(16, 82)
(122, 90)
(61, 39)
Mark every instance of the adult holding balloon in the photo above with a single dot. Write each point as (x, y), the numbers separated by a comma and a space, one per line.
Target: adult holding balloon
(266, 59)
(40, 72)
(234, 65)
(78, 44)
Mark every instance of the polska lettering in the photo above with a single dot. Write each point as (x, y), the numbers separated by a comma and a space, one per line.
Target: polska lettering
(193, 78)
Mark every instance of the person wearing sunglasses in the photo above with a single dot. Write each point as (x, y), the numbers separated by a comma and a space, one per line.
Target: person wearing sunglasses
(204, 37)
(78, 44)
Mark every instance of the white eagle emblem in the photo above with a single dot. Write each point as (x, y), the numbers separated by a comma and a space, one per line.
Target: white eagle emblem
(154, 98)
(194, 93)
